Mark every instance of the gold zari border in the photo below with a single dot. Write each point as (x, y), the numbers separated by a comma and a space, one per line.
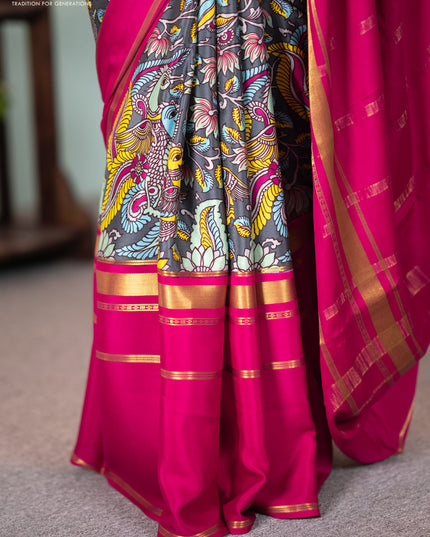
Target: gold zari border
(140, 284)
(248, 296)
(405, 428)
(132, 358)
(237, 524)
(107, 306)
(266, 366)
(206, 533)
(289, 508)
(290, 364)
(74, 458)
(363, 274)
(268, 316)
(127, 488)
(190, 321)
(192, 296)
(191, 375)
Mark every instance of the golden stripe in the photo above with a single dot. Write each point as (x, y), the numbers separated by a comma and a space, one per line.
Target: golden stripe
(243, 373)
(338, 380)
(363, 275)
(132, 358)
(190, 321)
(192, 296)
(206, 533)
(289, 508)
(266, 366)
(289, 364)
(138, 497)
(248, 296)
(120, 262)
(236, 524)
(242, 296)
(386, 272)
(367, 281)
(341, 392)
(191, 375)
(276, 292)
(321, 41)
(110, 283)
(246, 373)
(108, 306)
(372, 343)
(83, 464)
(405, 428)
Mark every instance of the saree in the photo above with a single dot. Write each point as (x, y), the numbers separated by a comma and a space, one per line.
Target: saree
(261, 285)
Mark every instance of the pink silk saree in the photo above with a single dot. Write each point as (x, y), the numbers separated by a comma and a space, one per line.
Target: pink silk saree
(213, 392)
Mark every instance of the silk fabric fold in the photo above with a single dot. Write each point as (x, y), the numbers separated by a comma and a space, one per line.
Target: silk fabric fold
(214, 394)
(368, 68)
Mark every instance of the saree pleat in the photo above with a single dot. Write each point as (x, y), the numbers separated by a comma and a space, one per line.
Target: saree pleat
(255, 295)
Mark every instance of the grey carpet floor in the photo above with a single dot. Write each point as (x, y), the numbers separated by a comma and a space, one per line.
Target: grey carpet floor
(45, 338)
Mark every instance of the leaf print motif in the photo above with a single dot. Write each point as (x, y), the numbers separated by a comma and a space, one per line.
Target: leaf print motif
(205, 180)
(230, 135)
(237, 116)
(145, 248)
(232, 84)
(202, 144)
(243, 226)
(207, 82)
(206, 13)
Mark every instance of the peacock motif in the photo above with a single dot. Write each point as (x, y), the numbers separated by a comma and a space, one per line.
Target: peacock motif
(210, 155)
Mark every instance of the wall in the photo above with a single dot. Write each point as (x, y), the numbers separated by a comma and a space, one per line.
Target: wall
(77, 101)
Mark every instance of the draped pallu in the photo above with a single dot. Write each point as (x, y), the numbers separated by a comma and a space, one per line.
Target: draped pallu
(368, 67)
(214, 389)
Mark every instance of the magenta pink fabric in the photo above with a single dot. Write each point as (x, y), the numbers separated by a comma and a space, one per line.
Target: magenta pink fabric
(371, 198)
(197, 454)
(126, 27)
(248, 430)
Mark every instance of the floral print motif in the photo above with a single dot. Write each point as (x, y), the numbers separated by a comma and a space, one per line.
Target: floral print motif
(210, 154)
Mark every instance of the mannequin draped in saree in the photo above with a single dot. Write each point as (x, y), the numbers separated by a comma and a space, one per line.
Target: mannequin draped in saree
(228, 347)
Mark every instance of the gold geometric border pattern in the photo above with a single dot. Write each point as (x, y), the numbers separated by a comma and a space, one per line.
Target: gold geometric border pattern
(107, 306)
